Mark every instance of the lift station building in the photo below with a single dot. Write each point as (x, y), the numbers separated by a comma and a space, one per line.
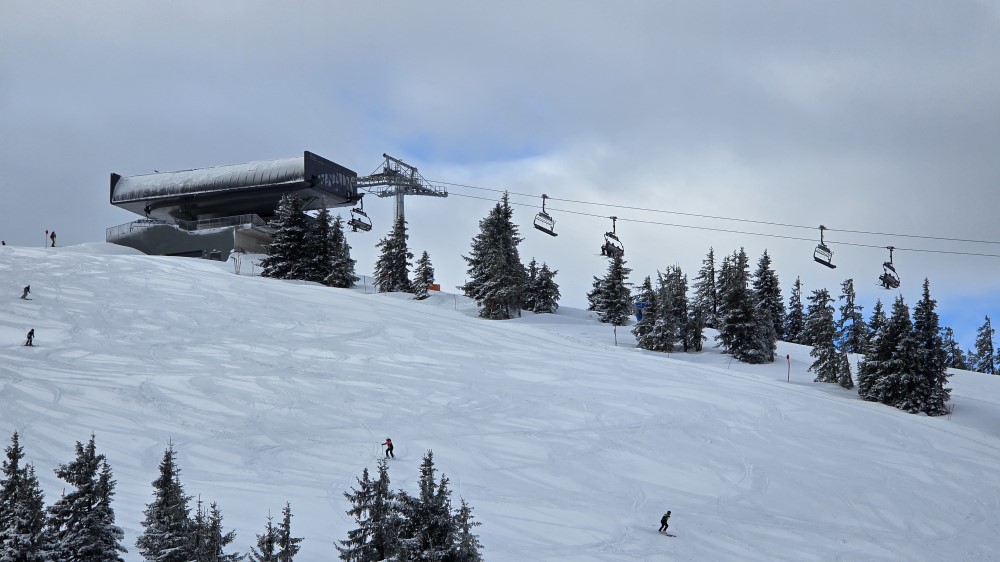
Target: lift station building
(210, 212)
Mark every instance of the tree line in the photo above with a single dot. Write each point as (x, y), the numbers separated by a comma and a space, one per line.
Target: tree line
(746, 309)
(904, 361)
(80, 526)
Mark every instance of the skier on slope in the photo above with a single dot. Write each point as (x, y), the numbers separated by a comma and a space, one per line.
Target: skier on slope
(31, 336)
(27, 290)
(663, 522)
(388, 448)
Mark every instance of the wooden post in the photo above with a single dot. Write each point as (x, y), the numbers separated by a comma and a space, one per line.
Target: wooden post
(788, 358)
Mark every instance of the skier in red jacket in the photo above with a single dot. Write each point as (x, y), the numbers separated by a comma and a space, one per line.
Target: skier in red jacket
(388, 448)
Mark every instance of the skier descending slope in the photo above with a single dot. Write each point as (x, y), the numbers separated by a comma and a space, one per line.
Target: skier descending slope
(663, 523)
(388, 448)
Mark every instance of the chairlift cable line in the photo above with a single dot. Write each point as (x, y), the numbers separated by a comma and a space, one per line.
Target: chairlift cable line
(715, 217)
(731, 231)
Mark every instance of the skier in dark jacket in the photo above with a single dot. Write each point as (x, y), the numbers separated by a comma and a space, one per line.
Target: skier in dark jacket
(663, 522)
(31, 336)
(388, 448)
(27, 290)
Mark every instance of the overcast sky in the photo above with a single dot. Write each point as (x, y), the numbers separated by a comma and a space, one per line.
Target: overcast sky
(866, 116)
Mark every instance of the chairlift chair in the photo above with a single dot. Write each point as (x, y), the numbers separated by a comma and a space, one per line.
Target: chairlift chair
(823, 254)
(359, 218)
(544, 222)
(889, 278)
(612, 247)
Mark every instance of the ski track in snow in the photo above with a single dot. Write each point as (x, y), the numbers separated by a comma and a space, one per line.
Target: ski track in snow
(567, 446)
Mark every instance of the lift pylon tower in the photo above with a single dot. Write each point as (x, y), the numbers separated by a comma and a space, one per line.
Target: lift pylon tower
(398, 179)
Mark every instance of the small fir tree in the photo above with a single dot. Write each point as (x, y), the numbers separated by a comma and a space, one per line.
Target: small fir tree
(767, 289)
(211, 540)
(82, 522)
(392, 273)
(318, 262)
(819, 333)
(929, 394)
(852, 332)
(613, 303)
(287, 253)
(795, 321)
(168, 534)
(955, 358)
(468, 548)
(706, 298)
(423, 276)
(496, 275)
(844, 378)
(342, 274)
(984, 358)
(375, 510)
(429, 530)
(530, 285)
(22, 510)
(267, 544)
(546, 291)
(740, 328)
(288, 546)
(644, 327)
(895, 383)
(876, 322)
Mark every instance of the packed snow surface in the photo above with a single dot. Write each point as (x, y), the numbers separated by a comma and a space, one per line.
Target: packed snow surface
(567, 446)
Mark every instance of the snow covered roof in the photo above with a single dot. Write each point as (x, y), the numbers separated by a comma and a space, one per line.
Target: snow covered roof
(235, 189)
(216, 178)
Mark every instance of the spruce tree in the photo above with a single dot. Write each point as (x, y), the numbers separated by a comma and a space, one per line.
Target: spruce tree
(852, 332)
(984, 357)
(168, 535)
(819, 333)
(795, 321)
(318, 260)
(739, 329)
(392, 273)
(546, 291)
(643, 328)
(694, 330)
(267, 544)
(342, 274)
(596, 294)
(468, 547)
(287, 253)
(22, 510)
(877, 353)
(676, 285)
(666, 330)
(423, 276)
(767, 289)
(530, 286)
(876, 322)
(844, 378)
(931, 371)
(706, 298)
(955, 358)
(496, 274)
(613, 303)
(82, 523)
(896, 384)
(375, 510)
(429, 530)
(288, 546)
(211, 539)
